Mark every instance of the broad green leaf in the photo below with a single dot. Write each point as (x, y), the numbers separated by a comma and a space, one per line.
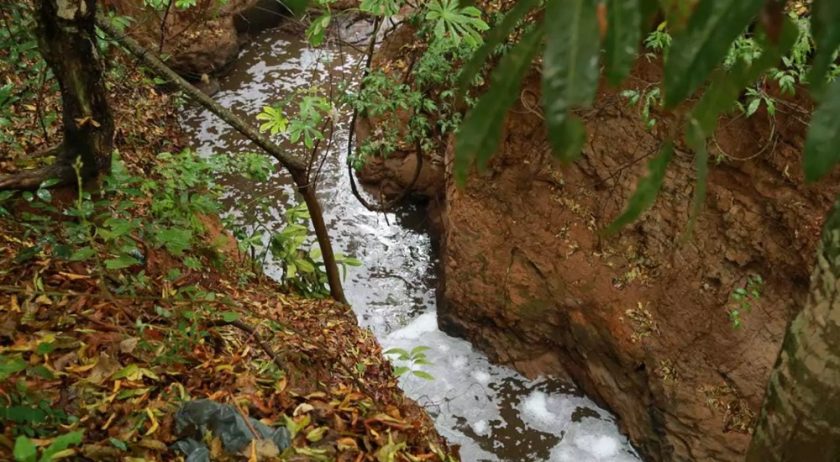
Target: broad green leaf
(175, 240)
(24, 450)
(419, 349)
(82, 254)
(423, 375)
(317, 30)
(646, 191)
(401, 353)
(696, 140)
(481, 130)
(624, 31)
(492, 40)
(701, 47)
(400, 371)
(121, 262)
(821, 146)
(11, 366)
(230, 316)
(61, 443)
(304, 265)
(825, 24)
(570, 70)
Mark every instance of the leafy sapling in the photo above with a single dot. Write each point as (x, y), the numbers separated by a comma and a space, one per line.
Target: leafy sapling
(411, 361)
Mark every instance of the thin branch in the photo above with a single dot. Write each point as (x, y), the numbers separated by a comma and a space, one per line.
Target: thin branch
(254, 334)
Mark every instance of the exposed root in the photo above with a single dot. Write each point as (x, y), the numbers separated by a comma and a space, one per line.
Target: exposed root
(32, 179)
(387, 206)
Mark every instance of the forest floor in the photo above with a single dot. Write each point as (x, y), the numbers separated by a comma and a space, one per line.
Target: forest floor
(105, 354)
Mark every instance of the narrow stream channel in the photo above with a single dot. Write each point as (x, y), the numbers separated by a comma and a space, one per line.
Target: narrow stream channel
(494, 413)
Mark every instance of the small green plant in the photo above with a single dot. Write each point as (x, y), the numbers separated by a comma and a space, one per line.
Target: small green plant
(645, 99)
(455, 22)
(744, 297)
(300, 257)
(411, 361)
(26, 451)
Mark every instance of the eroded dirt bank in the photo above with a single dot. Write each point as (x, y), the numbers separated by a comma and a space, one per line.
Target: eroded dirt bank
(640, 320)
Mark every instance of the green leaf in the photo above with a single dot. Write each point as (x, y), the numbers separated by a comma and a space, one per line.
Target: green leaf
(725, 88)
(25, 450)
(401, 353)
(175, 240)
(624, 31)
(492, 40)
(119, 444)
(82, 254)
(821, 145)
(482, 127)
(11, 366)
(317, 30)
(423, 375)
(400, 371)
(825, 24)
(696, 139)
(304, 265)
(230, 316)
(419, 349)
(701, 47)
(645, 194)
(44, 195)
(61, 443)
(380, 7)
(727, 85)
(570, 70)
(123, 261)
(44, 348)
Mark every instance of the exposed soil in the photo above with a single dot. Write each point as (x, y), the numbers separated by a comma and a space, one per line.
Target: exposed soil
(640, 320)
(203, 40)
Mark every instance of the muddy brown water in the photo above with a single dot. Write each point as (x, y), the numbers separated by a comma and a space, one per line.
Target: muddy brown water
(492, 412)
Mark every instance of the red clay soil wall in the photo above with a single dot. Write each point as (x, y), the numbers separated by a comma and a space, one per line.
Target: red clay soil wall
(638, 320)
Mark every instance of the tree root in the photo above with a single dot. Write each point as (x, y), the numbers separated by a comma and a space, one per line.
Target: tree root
(32, 179)
(395, 201)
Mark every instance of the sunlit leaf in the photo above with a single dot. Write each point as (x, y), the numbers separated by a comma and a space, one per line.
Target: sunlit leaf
(25, 450)
(61, 443)
(423, 375)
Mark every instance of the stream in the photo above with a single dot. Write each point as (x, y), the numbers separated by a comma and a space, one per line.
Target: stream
(492, 412)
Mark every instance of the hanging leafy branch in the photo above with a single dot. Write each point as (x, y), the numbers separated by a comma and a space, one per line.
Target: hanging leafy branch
(710, 61)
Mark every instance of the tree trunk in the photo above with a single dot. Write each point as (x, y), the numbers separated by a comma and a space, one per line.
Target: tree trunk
(800, 419)
(67, 41)
(296, 166)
